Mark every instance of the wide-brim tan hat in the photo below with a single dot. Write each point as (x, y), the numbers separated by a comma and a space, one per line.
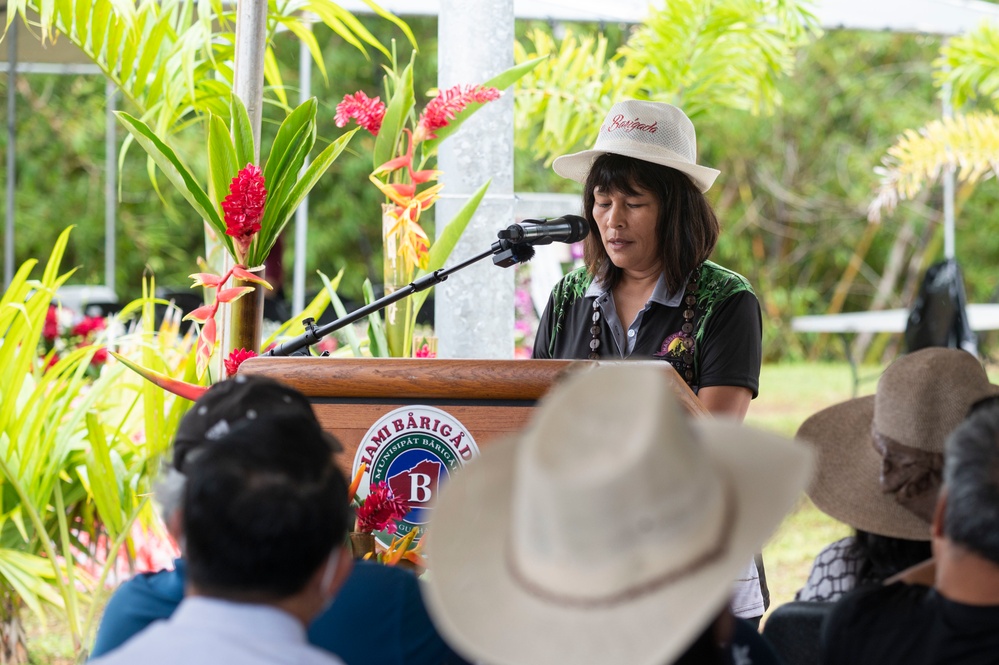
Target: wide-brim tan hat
(921, 398)
(651, 131)
(609, 531)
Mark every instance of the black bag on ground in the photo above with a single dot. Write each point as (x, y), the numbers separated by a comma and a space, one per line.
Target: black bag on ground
(938, 316)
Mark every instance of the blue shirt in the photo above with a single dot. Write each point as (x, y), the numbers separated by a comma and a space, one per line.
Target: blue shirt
(378, 617)
(207, 631)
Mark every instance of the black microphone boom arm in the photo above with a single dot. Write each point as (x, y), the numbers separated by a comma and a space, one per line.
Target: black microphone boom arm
(505, 255)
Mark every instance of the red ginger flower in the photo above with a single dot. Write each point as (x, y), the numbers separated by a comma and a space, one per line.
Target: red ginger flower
(244, 207)
(235, 359)
(380, 509)
(448, 103)
(88, 325)
(368, 112)
(100, 356)
(51, 328)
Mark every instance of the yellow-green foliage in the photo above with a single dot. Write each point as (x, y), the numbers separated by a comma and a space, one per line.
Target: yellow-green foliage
(77, 455)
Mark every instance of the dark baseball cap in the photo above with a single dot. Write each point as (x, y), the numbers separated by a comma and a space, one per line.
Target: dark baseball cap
(245, 397)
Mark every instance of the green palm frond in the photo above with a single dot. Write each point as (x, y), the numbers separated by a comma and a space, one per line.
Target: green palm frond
(970, 63)
(728, 53)
(696, 54)
(967, 143)
(569, 92)
(172, 59)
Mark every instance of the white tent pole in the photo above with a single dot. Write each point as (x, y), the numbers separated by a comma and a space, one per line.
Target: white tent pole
(302, 214)
(8, 238)
(248, 85)
(948, 182)
(110, 178)
(473, 315)
(251, 34)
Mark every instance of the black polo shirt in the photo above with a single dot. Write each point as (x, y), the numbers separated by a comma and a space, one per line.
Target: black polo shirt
(728, 330)
(909, 625)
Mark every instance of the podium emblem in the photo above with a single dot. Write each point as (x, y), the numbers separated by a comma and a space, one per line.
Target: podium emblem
(414, 449)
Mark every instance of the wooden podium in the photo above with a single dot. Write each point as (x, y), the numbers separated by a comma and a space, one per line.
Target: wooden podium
(490, 397)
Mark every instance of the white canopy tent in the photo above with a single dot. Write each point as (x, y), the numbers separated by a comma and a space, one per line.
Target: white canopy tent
(941, 17)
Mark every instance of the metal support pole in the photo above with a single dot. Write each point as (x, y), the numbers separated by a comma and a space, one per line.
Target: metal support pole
(302, 214)
(948, 182)
(248, 85)
(474, 314)
(110, 179)
(8, 239)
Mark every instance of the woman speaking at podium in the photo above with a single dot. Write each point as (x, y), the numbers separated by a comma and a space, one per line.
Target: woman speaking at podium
(647, 288)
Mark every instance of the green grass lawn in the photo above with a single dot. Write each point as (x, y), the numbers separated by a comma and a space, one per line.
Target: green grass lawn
(788, 395)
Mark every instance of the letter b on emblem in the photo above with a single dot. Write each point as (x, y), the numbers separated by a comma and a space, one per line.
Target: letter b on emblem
(419, 488)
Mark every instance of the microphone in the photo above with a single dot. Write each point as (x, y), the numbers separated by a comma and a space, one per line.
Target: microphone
(568, 228)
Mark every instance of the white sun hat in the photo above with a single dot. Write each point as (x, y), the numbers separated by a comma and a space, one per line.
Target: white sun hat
(651, 131)
(609, 531)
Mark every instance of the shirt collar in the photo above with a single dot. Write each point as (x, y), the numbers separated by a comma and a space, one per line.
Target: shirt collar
(660, 294)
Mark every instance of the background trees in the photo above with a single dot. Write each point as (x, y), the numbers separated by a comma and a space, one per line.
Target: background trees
(793, 196)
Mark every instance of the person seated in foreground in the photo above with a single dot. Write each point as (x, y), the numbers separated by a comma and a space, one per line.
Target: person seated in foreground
(402, 634)
(880, 461)
(264, 526)
(957, 619)
(609, 530)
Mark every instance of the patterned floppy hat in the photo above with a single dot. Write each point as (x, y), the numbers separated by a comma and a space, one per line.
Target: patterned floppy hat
(651, 131)
(610, 530)
(880, 457)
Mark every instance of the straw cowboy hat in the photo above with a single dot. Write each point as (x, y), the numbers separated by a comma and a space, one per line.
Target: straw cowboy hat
(609, 531)
(651, 131)
(880, 457)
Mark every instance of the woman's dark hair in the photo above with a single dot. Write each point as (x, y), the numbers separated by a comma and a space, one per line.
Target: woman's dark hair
(687, 230)
(883, 556)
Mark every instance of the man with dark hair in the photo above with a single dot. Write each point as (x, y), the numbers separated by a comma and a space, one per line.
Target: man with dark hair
(957, 619)
(403, 633)
(265, 518)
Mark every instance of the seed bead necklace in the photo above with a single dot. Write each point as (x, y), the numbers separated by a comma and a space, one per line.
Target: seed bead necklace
(685, 366)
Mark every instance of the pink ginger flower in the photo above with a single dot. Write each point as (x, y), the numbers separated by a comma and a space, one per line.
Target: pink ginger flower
(380, 509)
(236, 359)
(244, 207)
(368, 112)
(448, 103)
(425, 351)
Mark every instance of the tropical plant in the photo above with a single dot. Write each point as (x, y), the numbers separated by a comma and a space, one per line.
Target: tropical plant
(967, 143)
(172, 59)
(695, 54)
(405, 147)
(249, 219)
(76, 461)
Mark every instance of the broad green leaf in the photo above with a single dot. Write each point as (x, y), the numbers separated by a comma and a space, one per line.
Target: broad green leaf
(441, 249)
(222, 166)
(293, 326)
(298, 192)
(176, 172)
(242, 132)
(102, 477)
(376, 329)
(340, 310)
(272, 72)
(304, 33)
(396, 113)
